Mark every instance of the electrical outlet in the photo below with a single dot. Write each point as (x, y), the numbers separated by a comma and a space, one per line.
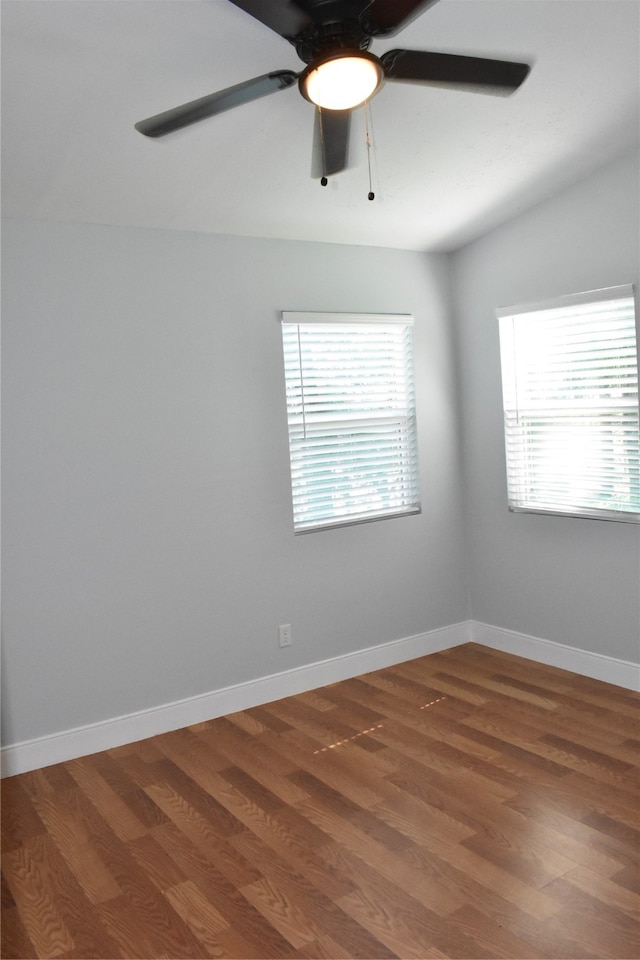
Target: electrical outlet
(284, 631)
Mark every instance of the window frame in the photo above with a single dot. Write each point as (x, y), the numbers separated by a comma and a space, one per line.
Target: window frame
(517, 406)
(290, 319)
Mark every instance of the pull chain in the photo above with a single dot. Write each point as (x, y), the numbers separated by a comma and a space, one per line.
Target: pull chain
(323, 178)
(367, 115)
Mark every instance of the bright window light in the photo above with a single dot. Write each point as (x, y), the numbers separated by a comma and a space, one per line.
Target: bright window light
(570, 396)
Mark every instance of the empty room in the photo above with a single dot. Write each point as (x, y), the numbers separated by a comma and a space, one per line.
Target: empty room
(321, 479)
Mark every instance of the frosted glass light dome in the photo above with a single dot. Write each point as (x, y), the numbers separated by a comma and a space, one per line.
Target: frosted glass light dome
(341, 82)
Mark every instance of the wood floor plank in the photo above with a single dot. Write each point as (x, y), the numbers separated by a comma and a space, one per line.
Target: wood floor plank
(566, 687)
(537, 869)
(118, 815)
(558, 754)
(284, 827)
(325, 948)
(146, 908)
(36, 903)
(619, 823)
(322, 729)
(234, 743)
(562, 814)
(392, 866)
(605, 927)
(280, 911)
(414, 694)
(19, 820)
(389, 920)
(492, 936)
(598, 802)
(135, 934)
(580, 730)
(126, 778)
(516, 690)
(404, 923)
(310, 864)
(264, 940)
(629, 877)
(14, 939)
(418, 671)
(88, 935)
(7, 900)
(188, 746)
(446, 780)
(71, 835)
(393, 706)
(605, 890)
(511, 888)
(500, 833)
(201, 833)
(464, 804)
(220, 820)
(357, 783)
(34, 782)
(156, 863)
(199, 914)
(318, 904)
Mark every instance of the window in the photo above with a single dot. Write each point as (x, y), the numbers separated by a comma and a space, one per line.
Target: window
(570, 396)
(351, 415)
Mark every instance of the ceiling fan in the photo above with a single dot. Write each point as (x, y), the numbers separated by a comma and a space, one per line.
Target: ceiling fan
(332, 37)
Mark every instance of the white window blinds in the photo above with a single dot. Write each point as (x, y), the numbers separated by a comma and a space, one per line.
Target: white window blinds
(351, 416)
(570, 395)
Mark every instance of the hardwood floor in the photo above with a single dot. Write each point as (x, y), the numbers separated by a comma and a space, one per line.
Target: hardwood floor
(466, 804)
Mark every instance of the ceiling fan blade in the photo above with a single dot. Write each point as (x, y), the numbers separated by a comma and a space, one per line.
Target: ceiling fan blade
(214, 103)
(384, 18)
(330, 142)
(454, 71)
(283, 16)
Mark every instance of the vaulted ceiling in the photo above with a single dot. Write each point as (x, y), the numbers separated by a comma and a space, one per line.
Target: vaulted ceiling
(446, 166)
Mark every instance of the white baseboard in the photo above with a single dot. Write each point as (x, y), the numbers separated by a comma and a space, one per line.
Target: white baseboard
(622, 673)
(44, 751)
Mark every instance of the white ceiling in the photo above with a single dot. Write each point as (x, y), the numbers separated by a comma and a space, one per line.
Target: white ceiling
(447, 166)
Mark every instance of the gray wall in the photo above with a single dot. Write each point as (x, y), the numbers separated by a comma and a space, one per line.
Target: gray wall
(148, 552)
(148, 545)
(569, 580)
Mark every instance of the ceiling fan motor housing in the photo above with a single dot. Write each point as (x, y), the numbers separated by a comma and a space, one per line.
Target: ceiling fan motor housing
(323, 39)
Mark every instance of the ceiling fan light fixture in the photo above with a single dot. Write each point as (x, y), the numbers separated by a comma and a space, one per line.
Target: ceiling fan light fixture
(342, 80)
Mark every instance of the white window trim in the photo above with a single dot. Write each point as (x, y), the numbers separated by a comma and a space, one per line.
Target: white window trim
(517, 501)
(297, 319)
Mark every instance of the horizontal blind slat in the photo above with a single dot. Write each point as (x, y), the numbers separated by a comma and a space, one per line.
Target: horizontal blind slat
(351, 415)
(570, 396)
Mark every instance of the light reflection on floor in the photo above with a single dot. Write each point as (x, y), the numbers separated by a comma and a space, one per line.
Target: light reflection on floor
(439, 700)
(363, 733)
